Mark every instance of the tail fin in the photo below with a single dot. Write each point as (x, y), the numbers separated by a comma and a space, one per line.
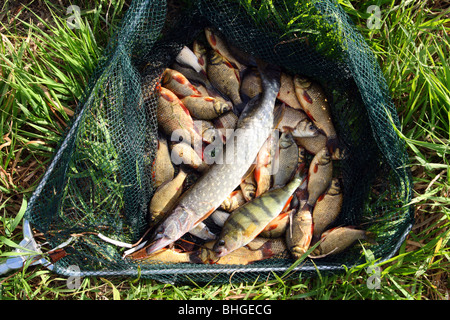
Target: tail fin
(370, 237)
(332, 144)
(270, 75)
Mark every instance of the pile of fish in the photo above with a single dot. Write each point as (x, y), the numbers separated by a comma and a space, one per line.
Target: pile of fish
(249, 150)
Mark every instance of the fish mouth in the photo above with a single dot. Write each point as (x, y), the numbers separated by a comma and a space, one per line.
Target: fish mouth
(158, 244)
(219, 251)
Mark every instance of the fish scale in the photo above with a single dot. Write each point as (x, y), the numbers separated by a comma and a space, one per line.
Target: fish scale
(222, 178)
(246, 222)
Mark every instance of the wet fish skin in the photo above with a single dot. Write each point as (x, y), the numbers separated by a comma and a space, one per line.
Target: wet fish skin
(201, 53)
(226, 124)
(265, 164)
(248, 186)
(220, 46)
(205, 108)
(202, 231)
(233, 201)
(162, 168)
(177, 83)
(182, 153)
(165, 197)
(287, 159)
(257, 250)
(338, 239)
(319, 175)
(300, 230)
(224, 77)
(327, 208)
(187, 58)
(197, 203)
(174, 117)
(251, 84)
(314, 102)
(287, 92)
(312, 144)
(246, 222)
(296, 122)
(207, 130)
(219, 217)
(192, 75)
(166, 256)
(277, 227)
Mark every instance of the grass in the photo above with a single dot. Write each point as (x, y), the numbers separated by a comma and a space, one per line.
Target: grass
(44, 67)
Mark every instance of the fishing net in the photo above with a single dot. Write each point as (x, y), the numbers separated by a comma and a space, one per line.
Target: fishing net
(100, 179)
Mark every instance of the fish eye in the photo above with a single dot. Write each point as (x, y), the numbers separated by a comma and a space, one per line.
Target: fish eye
(221, 242)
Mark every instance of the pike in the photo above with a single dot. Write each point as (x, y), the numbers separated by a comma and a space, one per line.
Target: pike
(213, 187)
(246, 222)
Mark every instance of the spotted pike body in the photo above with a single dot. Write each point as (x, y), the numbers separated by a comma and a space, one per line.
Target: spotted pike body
(251, 84)
(246, 222)
(213, 187)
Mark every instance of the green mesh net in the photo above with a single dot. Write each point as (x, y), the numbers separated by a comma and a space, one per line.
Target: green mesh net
(100, 179)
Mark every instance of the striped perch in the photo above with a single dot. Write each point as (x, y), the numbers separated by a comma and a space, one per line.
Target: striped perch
(246, 222)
